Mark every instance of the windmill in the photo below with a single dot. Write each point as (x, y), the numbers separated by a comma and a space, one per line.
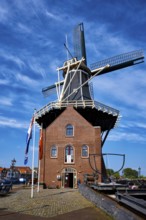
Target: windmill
(77, 74)
(75, 88)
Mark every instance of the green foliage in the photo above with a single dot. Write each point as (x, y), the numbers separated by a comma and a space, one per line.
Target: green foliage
(142, 177)
(117, 175)
(111, 172)
(130, 173)
(127, 173)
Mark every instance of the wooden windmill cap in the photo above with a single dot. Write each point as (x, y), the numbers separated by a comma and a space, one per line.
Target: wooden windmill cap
(73, 64)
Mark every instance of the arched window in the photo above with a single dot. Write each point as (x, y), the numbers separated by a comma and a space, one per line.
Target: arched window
(53, 151)
(85, 151)
(69, 154)
(69, 130)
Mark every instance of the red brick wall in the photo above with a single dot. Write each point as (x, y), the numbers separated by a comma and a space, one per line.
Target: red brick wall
(84, 133)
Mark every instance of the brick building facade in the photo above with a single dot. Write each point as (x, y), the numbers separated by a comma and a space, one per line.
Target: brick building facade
(68, 140)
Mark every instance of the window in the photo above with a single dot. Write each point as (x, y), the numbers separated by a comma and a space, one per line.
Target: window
(69, 154)
(53, 151)
(69, 130)
(85, 152)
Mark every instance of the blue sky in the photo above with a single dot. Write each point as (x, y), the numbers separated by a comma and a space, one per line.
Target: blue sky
(32, 37)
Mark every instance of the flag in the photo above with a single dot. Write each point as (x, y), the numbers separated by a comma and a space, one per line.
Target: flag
(41, 145)
(28, 137)
(25, 159)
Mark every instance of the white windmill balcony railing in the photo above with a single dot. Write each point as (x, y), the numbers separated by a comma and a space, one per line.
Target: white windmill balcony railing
(77, 104)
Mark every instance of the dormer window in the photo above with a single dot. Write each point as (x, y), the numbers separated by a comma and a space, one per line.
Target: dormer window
(69, 130)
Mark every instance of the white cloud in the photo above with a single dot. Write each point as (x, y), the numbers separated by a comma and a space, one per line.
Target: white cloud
(54, 65)
(133, 124)
(4, 82)
(13, 58)
(123, 86)
(53, 16)
(24, 28)
(122, 136)
(6, 101)
(105, 43)
(36, 67)
(26, 80)
(29, 105)
(12, 123)
(4, 14)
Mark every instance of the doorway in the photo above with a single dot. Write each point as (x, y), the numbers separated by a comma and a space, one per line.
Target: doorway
(69, 178)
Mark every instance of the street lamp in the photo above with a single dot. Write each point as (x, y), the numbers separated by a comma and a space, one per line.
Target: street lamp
(12, 170)
(139, 172)
(13, 163)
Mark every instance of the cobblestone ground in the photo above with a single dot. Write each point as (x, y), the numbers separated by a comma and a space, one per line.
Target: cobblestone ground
(46, 203)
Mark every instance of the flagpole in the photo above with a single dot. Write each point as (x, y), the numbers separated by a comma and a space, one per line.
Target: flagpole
(38, 189)
(32, 180)
(40, 150)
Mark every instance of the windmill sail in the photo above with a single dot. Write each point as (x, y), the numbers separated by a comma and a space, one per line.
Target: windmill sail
(79, 42)
(49, 90)
(119, 62)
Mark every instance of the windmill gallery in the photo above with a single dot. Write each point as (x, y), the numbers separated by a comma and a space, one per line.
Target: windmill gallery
(75, 127)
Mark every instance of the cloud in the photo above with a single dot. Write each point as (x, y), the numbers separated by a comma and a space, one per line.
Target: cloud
(12, 123)
(123, 86)
(23, 28)
(10, 57)
(54, 65)
(6, 101)
(104, 42)
(54, 16)
(29, 104)
(130, 137)
(133, 124)
(4, 82)
(26, 80)
(36, 67)
(4, 14)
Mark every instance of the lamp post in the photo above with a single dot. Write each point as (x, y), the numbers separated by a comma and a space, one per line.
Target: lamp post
(13, 163)
(139, 172)
(12, 170)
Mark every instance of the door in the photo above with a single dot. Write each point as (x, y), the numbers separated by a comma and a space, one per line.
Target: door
(68, 180)
(69, 177)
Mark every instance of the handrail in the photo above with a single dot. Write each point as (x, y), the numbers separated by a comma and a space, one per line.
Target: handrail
(78, 103)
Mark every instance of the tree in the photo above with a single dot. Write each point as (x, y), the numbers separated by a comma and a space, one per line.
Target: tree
(130, 173)
(117, 175)
(111, 172)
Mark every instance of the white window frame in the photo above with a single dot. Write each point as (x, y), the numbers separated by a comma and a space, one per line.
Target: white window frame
(84, 145)
(54, 146)
(69, 129)
(67, 157)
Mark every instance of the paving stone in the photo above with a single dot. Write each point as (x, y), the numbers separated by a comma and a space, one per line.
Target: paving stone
(46, 203)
